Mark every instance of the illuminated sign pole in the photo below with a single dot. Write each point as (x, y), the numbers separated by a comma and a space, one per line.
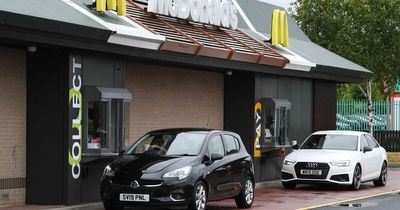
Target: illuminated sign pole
(258, 129)
(74, 151)
(214, 12)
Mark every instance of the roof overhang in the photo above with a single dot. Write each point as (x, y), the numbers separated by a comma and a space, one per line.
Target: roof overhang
(296, 62)
(129, 33)
(187, 37)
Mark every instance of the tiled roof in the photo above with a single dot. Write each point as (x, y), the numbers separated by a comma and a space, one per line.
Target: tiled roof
(204, 40)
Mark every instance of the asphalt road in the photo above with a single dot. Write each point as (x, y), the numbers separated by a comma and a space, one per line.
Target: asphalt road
(383, 202)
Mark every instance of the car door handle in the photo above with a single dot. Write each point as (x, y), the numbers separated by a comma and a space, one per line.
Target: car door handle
(225, 168)
(228, 168)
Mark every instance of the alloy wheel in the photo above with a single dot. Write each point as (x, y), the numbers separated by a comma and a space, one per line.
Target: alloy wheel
(384, 174)
(200, 197)
(357, 177)
(249, 191)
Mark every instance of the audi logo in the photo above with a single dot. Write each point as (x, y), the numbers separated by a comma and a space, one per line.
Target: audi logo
(312, 165)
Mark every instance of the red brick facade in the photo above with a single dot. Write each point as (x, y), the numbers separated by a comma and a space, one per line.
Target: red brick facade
(165, 97)
(12, 126)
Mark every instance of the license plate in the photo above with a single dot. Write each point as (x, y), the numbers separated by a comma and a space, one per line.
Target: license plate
(310, 172)
(134, 197)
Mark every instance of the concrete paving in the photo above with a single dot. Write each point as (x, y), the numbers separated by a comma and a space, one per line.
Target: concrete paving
(272, 195)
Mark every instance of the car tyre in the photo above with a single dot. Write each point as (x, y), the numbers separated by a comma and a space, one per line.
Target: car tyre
(383, 177)
(356, 178)
(111, 206)
(289, 185)
(199, 198)
(246, 197)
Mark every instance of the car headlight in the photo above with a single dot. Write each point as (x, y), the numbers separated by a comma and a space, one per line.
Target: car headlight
(342, 163)
(108, 171)
(288, 162)
(180, 173)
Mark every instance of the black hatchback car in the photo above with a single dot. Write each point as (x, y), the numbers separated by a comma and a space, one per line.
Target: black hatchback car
(180, 168)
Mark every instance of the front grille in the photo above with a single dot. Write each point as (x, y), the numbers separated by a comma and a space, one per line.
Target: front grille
(141, 182)
(150, 182)
(324, 167)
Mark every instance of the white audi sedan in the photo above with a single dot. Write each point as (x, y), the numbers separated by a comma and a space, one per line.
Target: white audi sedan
(339, 157)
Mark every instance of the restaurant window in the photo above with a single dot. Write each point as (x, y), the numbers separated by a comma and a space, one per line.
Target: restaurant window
(98, 124)
(106, 120)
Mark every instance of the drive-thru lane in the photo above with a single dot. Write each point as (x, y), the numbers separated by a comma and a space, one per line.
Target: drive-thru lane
(272, 195)
(387, 201)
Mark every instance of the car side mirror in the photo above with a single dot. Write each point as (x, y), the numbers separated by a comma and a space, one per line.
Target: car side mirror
(122, 152)
(295, 145)
(216, 156)
(367, 149)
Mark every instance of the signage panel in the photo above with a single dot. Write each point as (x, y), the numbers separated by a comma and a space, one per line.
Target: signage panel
(279, 30)
(214, 12)
(116, 5)
(258, 128)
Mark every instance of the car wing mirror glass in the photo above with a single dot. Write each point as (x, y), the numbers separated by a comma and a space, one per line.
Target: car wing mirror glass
(367, 149)
(216, 156)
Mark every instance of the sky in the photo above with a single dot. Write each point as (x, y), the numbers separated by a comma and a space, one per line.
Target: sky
(283, 3)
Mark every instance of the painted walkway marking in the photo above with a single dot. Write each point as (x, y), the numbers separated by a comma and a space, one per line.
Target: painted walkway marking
(349, 200)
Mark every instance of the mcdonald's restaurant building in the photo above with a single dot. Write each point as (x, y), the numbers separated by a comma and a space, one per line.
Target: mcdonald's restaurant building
(79, 82)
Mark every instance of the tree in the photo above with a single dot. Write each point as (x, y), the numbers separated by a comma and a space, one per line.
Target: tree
(366, 32)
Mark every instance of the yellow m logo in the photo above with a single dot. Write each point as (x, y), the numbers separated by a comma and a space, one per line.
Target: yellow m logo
(116, 5)
(279, 31)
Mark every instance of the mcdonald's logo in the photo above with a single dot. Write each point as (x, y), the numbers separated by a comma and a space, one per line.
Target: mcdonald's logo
(116, 5)
(279, 30)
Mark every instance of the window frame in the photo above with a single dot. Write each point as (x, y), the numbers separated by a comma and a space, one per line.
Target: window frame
(373, 140)
(362, 148)
(209, 141)
(237, 144)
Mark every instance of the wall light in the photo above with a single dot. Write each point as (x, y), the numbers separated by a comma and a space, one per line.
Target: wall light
(31, 49)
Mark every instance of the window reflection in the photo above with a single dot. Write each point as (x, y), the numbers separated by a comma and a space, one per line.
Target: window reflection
(97, 124)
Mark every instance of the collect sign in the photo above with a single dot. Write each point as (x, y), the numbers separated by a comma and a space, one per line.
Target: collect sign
(215, 12)
(75, 112)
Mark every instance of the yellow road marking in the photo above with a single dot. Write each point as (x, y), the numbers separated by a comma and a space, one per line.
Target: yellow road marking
(348, 200)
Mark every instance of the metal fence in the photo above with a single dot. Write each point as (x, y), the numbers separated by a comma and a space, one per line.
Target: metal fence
(390, 140)
(353, 115)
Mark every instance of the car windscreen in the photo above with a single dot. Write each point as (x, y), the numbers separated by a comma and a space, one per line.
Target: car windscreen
(170, 144)
(331, 141)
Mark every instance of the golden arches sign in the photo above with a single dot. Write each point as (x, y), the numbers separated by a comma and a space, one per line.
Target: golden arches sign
(279, 30)
(116, 5)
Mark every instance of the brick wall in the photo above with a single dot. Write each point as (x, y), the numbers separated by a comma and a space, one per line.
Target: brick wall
(12, 126)
(166, 97)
